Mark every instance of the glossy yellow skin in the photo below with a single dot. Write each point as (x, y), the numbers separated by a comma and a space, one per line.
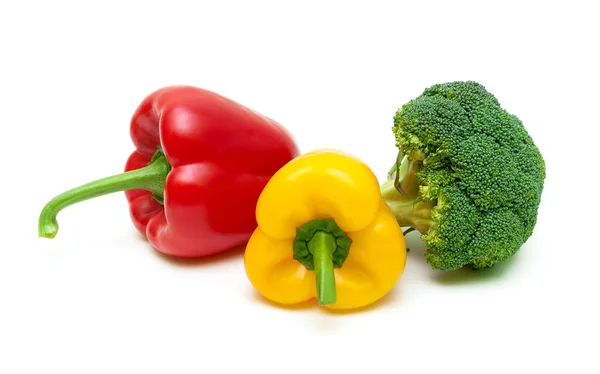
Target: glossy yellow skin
(321, 184)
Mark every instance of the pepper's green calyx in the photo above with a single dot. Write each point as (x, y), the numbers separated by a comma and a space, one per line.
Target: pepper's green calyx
(307, 231)
(159, 156)
(151, 178)
(320, 245)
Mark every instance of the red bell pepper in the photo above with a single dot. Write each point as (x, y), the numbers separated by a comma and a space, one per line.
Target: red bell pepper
(200, 164)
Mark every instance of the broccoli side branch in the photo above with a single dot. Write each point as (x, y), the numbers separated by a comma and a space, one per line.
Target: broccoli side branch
(401, 193)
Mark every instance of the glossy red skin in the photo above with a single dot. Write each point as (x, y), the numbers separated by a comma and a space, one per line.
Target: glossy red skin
(222, 155)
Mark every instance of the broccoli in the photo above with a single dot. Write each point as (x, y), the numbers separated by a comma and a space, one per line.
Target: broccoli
(468, 176)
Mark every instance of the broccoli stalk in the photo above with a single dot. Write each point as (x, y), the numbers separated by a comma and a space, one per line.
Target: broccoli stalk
(401, 193)
(468, 176)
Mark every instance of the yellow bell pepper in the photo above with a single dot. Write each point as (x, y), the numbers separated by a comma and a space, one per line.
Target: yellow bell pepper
(324, 231)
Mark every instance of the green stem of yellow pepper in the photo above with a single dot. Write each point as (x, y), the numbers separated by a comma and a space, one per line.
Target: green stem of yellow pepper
(322, 246)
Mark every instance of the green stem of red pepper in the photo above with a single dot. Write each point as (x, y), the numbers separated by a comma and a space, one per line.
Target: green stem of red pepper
(151, 178)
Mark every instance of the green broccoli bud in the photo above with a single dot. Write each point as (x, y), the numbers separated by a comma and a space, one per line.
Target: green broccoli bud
(468, 176)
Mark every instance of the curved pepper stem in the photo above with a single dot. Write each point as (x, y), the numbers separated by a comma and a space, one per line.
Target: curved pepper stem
(151, 178)
(322, 246)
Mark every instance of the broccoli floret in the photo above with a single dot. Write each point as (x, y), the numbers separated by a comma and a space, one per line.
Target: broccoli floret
(468, 176)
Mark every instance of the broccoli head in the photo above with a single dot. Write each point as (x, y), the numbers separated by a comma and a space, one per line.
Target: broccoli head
(468, 176)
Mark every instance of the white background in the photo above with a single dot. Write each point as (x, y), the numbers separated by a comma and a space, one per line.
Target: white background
(98, 299)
